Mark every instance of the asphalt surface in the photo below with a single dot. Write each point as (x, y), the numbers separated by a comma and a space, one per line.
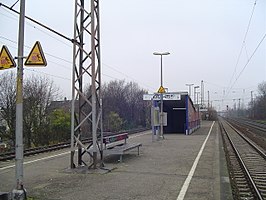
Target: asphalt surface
(160, 172)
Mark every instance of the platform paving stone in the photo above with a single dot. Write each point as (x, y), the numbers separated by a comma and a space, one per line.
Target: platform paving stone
(157, 174)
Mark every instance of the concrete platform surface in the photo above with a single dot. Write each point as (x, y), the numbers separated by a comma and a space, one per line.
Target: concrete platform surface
(178, 167)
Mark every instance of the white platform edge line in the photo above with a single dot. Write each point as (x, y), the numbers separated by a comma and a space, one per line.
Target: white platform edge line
(184, 188)
(32, 161)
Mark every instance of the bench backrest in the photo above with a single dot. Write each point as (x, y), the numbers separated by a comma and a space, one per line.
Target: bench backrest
(115, 138)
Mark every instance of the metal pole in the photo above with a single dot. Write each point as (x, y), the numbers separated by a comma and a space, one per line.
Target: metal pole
(161, 96)
(194, 95)
(162, 115)
(161, 122)
(208, 101)
(202, 93)
(161, 100)
(162, 70)
(80, 79)
(252, 107)
(93, 87)
(152, 119)
(100, 80)
(72, 165)
(19, 193)
(189, 89)
(198, 98)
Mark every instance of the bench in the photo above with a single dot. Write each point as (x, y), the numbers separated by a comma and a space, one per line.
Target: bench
(113, 145)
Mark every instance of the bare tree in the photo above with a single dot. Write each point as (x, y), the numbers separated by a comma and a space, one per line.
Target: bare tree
(8, 105)
(38, 94)
(257, 106)
(260, 102)
(262, 89)
(125, 99)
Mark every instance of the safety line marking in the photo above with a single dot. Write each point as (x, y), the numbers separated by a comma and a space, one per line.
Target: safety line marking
(32, 161)
(184, 188)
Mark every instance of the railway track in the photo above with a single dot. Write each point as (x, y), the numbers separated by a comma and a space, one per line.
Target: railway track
(250, 124)
(246, 162)
(32, 151)
(254, 123)
(253, 130)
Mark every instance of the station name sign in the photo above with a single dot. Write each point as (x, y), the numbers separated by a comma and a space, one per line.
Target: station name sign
(166, 96)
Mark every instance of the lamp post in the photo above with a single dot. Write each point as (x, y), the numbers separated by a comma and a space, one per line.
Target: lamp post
(195, 93)
(161, 113)
(189, 87)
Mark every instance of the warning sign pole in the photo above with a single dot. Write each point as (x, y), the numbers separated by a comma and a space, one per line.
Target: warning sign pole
(19, 192)
(161, 90)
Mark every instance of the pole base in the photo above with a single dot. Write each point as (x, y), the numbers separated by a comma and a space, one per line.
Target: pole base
(18, 194)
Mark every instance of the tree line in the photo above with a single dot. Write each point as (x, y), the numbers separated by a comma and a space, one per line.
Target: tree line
(39, 125)
(43, 124)
(257, 106)
(123, 106)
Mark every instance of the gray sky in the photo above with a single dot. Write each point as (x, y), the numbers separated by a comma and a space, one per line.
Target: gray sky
(204, 39)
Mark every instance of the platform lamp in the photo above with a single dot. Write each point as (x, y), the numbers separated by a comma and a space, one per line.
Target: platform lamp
(189, 87)
(161, 113)
(195, 87)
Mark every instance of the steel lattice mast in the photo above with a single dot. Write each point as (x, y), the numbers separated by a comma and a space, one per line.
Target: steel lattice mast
(86, 114)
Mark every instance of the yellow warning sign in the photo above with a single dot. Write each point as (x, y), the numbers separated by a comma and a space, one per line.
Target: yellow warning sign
(6, 60)
(161, 90)
(36, 56)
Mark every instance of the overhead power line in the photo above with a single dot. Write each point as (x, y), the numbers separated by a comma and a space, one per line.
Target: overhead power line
(243, 43)
(248, 61)
(28, 47)
(69, 62)
(61, 35)
(40, 24)
(40, 72)
(223, 87)
(116, 70)
(35, 27)
(14, 4)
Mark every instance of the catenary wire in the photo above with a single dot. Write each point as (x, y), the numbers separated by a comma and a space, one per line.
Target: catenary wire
(247, 62)
(70, 68)
(243, 44)
(34, 27)
(11, 9)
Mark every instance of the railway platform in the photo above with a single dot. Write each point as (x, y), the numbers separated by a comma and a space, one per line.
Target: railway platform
(175, 168)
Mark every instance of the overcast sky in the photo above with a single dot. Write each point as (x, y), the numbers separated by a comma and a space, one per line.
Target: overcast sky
(204, 39)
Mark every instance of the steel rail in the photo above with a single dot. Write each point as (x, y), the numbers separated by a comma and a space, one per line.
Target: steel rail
(242, 164)
(248, 141)
(249, 123)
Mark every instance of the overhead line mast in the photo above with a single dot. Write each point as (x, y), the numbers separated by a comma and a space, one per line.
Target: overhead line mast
(86, 114)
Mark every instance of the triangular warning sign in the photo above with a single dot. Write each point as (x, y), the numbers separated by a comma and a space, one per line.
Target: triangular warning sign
(36, 56)
(161, 90)
(6, 60)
